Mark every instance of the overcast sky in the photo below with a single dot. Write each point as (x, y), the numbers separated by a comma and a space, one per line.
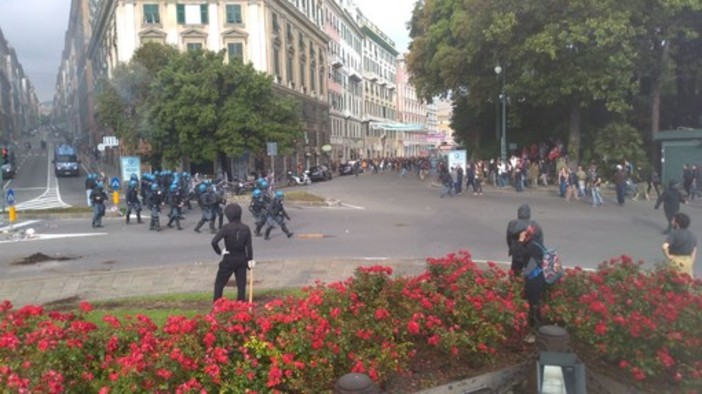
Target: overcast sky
(36, 29)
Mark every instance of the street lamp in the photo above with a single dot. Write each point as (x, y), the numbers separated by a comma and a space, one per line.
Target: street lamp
(503, 100)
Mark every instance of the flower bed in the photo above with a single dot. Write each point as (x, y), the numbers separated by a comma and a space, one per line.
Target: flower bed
(370, 323)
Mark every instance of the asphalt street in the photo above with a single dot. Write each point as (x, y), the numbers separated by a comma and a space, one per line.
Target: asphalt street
(381, 217)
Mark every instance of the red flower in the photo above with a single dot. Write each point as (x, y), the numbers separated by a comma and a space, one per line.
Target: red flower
(623, 364)
(85, 306)
(381, 313)
(434, 340)
(413, 327)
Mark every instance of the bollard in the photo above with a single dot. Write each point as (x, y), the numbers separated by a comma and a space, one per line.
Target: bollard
(355, 383)
(553, 339)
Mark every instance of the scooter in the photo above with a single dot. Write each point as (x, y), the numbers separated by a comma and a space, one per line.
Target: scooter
(299, 180)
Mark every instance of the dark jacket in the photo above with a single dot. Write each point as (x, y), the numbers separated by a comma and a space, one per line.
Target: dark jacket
(671, 199)
(524, 215)
(236, 235)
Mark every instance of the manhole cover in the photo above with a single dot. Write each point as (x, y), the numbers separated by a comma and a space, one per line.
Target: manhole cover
(40, 258)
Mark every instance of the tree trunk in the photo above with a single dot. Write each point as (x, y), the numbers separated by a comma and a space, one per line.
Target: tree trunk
(574, 147)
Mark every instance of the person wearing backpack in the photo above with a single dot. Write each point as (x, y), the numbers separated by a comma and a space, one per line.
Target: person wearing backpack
(527, 249)
(523, 215)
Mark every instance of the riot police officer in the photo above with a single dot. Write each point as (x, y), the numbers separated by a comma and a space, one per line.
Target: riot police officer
(98, 197)
(207, 201)
(155, 199)
(259, 209)
(133, 201)
(277, 215)
(175, 199)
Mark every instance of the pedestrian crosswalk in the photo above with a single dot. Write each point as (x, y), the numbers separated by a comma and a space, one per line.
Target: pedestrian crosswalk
(51, 198)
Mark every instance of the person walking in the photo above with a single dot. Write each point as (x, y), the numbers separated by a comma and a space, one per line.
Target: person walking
(671, 199)
(237, 252)
(680, 247)
(597, 200)
(277, 215)
(98, 197)
(133, 203)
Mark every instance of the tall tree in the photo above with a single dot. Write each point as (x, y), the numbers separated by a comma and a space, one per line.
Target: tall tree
(553, 53)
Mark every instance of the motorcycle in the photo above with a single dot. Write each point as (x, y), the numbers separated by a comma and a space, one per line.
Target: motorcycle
(299, 180)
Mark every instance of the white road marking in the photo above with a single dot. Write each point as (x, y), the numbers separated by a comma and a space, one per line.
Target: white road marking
(352, 206)
(51, 198)
(42, 237)
(19, 225)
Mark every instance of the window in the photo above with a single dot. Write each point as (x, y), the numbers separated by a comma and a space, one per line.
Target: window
(302, 74)
(289, 69)
(235, 50)
(234, 14)
(276, 62)
(151, 15)
(192, 14)
(194, 46)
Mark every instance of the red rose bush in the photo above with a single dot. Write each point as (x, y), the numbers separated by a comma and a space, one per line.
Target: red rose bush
(371, 323)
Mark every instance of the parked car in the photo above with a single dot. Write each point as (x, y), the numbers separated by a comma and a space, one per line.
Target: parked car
(346, 169)
(320, 173)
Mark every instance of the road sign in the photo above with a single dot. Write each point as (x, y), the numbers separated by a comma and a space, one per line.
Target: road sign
(10, 197)
(114, 183)
(109, 141)
(272, 148)
(101, 147)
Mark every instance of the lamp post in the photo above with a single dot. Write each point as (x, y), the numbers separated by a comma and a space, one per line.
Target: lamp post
(503, 100)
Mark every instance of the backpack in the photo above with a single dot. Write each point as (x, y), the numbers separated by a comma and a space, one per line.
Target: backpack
(550, 266)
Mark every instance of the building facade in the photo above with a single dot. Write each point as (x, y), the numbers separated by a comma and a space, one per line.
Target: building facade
(273, 35)
(19, 106)
(345, 82)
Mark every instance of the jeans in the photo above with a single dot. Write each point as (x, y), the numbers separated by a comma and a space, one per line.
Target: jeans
(596, 197)
(98, 213)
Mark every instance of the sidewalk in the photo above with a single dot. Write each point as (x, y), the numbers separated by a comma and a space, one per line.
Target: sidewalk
(187, 278)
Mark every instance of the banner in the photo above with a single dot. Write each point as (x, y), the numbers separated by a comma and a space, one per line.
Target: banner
(130, 165)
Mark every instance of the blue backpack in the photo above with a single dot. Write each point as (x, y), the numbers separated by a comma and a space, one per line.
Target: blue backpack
(550, 266)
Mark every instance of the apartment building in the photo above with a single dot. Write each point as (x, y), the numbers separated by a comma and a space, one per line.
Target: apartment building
(273, 35)
(345, 82)
(19, 106)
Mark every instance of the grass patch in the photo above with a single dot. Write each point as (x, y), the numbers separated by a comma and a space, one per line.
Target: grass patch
(159, 307)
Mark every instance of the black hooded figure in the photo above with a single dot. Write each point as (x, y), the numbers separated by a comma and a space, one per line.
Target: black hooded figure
(671, 199)
(237, 252)
(523, 216)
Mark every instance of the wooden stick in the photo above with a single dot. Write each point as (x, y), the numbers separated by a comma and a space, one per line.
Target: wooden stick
(251, 281)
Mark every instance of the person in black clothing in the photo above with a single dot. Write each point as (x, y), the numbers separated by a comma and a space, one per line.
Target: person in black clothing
(277, 215)
(98, 197)
(527, 249)
(238, 251)
(175, 199)
(207, 201)
(671, 199)
(155, 199)
(133, 201)
(523, 216)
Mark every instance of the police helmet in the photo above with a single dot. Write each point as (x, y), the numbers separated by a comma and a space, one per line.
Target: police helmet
(133, 184)
(264, 184)
(99, 185)
(256, 193)
(202, 188)
(173, 187)
(279, 195)
(260, 181)
(154, 186)
(133, 177)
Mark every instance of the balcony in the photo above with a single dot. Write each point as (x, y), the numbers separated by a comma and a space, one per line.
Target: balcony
(336, 61)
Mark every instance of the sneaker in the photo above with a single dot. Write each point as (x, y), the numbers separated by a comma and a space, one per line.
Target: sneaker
(531, 338)
(290, 235)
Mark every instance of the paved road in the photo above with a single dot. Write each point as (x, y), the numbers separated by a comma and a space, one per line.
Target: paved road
(382, 218)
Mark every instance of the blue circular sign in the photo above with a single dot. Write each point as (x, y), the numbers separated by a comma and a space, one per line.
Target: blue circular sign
(10, 197)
